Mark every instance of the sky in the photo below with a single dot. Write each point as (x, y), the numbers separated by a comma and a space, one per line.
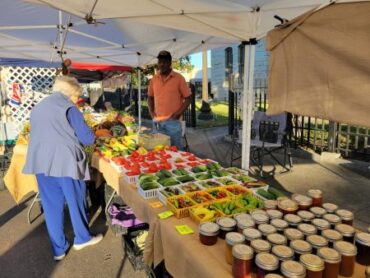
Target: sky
(196, 59)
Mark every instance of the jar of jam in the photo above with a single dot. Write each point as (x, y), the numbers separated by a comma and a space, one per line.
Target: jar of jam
(321, 225)
(300, 247)
(266, 229)
(347, 231)
(260, 218)
(330, 207)
(242, 215)
(242, 261)
(274, 214)
(317, 242)
(251, 234)
(292, 269)
(283, 253)
(260, 246)
(208, 233)
(306, 216)
(332, 236)
(293, 234)
(226, 225)
(332, 261)
(333, 219)
(270, 204)
(231, 240)
(266, 263)
(304, 202)
(316, 196)
(286, 205)
(367, 272)
(276, 239)
(362, 241)
(244, 223)
(279, 224)
(319, 212)
(348, 251)
(307, 229)
(314, 265)
(293, 220)
(345, 215)
(274, 275)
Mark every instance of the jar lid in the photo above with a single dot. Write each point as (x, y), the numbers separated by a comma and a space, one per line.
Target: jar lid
(251, 233)
(329, 255)
(363, 238)
(242, 215)
(277, 239)
(258, 211)
(283, 252)
(293, 234)
(301, 246)
(274, 214)
(244, 223)
(270, 204)
(307, 229)
(242, 252)
(233, 238)
(317, 241)
(279, 224)
(226, 223)
(306, 215)
(312, 262)
(287, 204)
(321, 224)
(332, 235)
(260, 245)
(318, 211)
(330, 207)
(266, 229)
(344, 214)
(267, 261)
(292, 219)
(345, 248)
(209, 229)
(345, 230)
(273, 275)
(293, 269)
(302, 199)
(314, 193)
(260, 218)
(332, 218)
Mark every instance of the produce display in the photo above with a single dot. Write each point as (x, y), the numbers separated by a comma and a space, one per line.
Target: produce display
(236, 190)
(190, 187)
(180, 202)
(170, 192)
(201, 197)
(270, 194)
(203, 213)
(218, 193)
(209, 183)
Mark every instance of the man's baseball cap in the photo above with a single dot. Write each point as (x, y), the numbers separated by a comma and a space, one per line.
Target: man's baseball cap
(164, 54)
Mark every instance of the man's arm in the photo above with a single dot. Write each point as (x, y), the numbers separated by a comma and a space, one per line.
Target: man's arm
(151, 106)
(182, 109)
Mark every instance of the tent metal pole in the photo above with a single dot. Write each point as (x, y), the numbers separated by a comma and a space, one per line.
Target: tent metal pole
(245, 163)
(26, 27)
(139, 98)
(204, 75)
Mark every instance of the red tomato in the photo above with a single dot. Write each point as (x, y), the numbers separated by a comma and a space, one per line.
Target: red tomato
(173, 148)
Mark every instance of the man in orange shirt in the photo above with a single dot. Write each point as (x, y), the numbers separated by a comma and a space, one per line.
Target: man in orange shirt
(168, 98)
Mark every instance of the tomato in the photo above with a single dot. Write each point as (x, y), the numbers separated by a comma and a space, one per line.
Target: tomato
(135, 154)
(192, 158)
(145, 164)
(173, 148)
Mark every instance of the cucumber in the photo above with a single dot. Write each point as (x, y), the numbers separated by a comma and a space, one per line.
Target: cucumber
(185, 179)
(276, 193)
(265, 194)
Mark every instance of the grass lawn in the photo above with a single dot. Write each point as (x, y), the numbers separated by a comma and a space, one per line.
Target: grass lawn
(220, 112)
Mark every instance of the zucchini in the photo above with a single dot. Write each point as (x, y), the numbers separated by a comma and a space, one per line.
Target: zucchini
(265, 194)
(275, 192)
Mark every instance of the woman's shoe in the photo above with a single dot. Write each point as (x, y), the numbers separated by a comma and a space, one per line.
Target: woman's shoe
(94, 240)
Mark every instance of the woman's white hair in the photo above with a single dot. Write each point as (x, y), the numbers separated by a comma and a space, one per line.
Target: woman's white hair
(68, 86)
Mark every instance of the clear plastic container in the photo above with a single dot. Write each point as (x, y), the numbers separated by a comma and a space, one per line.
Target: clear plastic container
(362, 241)
(316, 196)
(242, 261)
(293, 269)
(332, 236)
(280, 225)
(345, 215)
(319, 212)
(332, 261)
(231, 240)
(306, 216)
(274, 214)
(304, 202)
(226, 225)
(244, 223)
(266, 229)
(286, 205)
(320, 224)
(314, 265)
(208, 233)
(317, 242)
(348, 252)
(283, 253)
(347, 231)
(277, 239)
(333, 219)
(307, 229)
(300, 247)
(293, 220)
(330, 207)
(251, 234)
(293, 234)
(266, 263)
(260, 246)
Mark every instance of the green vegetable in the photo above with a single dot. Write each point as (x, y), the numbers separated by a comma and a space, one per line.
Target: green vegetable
(266, 194)
(149, 185)
(184, 179)
(275, 192)
(147, 178)
(199, 169)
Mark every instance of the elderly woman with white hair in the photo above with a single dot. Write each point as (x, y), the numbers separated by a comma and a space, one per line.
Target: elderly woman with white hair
(56, 156)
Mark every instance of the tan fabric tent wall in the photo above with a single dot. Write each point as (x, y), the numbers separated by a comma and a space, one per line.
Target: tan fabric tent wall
(320, 64)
